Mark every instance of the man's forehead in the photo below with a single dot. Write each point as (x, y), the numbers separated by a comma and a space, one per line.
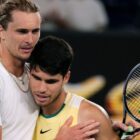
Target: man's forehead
(25, 20)
(23, 16)
(37, 69)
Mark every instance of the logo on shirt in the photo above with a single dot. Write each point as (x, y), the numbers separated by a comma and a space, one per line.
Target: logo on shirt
(42, 132)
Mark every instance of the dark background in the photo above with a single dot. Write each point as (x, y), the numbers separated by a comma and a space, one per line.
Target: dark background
(111, 54)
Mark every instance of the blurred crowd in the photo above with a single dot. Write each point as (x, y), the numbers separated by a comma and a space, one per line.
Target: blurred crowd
(81, 15)
(90, 15)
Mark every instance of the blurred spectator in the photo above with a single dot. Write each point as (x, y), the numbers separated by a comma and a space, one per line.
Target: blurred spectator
(80, 15)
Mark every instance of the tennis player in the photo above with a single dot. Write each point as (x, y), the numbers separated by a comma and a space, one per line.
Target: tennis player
(50, 71)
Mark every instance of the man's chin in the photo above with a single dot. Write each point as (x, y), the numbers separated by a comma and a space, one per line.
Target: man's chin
(24, 59)
(41, 104)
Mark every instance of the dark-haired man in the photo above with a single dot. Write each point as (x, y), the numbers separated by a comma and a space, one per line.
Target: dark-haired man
(50, 71)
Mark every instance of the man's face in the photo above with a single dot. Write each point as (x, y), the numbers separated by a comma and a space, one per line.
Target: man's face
(21, 35)
(47, 89)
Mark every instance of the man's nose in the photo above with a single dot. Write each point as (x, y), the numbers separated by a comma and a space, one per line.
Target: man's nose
(30, 38)
(43, 87)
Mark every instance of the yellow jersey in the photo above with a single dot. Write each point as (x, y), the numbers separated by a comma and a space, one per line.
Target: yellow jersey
(48, 126)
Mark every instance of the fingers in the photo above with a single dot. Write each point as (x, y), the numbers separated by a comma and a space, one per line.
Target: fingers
(128, 127)
(90, 139)
(134, 125)
(91, 126)
(87, 129)
(82, 131)
(84, 124)
(131, 123)
(91, 129)
(119, 125)
(91, 133)
(68, 122)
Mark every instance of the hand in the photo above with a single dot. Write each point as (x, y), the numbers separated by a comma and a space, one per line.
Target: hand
(134, 125)
(118, 125)
(81, 131)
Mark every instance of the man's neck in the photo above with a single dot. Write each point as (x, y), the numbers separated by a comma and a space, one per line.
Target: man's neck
(14, 67)
(54, 107)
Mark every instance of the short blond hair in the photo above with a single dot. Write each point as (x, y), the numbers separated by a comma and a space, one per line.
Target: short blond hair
(8, 6)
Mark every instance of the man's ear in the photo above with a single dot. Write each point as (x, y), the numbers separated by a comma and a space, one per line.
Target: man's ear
(1, 28)
(67, 77)
(1, 33)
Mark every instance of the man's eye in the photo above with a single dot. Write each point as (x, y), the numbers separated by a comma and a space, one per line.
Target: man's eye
(35, 31)
(35, 77)
(51, 81)
(23, 31)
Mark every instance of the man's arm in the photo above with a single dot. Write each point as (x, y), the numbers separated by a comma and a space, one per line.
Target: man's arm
(81, 131)
(88, 111)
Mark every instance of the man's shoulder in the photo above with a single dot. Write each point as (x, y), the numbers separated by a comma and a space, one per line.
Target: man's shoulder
(89, 105)
(92, 110)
